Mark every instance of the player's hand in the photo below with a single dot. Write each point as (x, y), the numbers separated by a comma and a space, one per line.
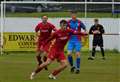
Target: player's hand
(75, 32)
(85, 36)
(86, 33)
(96, 32)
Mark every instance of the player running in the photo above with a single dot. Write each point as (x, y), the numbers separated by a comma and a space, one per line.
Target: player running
(75, 42)
(57, 50)
(43, 31)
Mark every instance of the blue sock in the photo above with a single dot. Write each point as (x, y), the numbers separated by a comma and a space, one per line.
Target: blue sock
(78, 63)
(70, 60)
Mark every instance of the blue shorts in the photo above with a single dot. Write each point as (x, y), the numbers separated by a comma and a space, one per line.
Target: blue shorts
(74, 45)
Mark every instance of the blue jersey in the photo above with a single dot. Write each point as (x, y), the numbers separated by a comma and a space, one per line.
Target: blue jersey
(75, 25)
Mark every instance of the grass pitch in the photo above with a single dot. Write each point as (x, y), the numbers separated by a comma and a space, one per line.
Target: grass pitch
(64, 14)
(16, 67)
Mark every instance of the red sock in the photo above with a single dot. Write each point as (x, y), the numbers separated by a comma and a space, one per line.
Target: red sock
(55, 72)
(38, 69)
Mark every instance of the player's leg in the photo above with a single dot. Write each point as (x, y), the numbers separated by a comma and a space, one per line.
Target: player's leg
(69, 57)
(102, 49)
(40, 67)
(46, 50)
(45, 59)
(95, 43)
(42, 54)
(38, 57)
(39, 52)
(63, 65)
(93, 51)
(43, 65)
(77, 62)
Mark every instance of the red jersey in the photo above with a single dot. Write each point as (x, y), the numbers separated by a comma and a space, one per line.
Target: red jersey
(57, 49)
(62, 36)
(45, 33)
(61, 39)
(45, 30)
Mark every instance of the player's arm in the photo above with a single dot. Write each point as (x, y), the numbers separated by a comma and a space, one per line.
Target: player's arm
(73, 32)
(83, 26)
(53, 27)
(91, 31)
(102, 31)
(37, 33)
(53, 36)
(81, 33)
(68, 25)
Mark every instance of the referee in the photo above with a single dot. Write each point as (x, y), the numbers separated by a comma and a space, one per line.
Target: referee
(97, 30)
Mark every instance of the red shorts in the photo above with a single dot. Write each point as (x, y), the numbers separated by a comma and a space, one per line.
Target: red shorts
(40, 46)
(59, 55)
(48, 46)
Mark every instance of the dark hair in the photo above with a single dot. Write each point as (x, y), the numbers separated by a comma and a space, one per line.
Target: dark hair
(63, 21)
(96, 20)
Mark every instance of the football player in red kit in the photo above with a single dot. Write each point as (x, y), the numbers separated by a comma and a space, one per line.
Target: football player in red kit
(43, 31)
(57, 50)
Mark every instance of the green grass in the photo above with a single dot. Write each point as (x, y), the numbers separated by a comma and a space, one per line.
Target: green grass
(16, 67)
(61, 14)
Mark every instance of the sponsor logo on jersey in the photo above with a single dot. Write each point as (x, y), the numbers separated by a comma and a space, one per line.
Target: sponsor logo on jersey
(44, 30)
(63, 38)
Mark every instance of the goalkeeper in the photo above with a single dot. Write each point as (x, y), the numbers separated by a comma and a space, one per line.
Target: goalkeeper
(97, 30)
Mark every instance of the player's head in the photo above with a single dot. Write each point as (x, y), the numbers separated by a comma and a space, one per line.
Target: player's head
(44, 18)
(96, 21)
(74, 15)
(63, 24)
